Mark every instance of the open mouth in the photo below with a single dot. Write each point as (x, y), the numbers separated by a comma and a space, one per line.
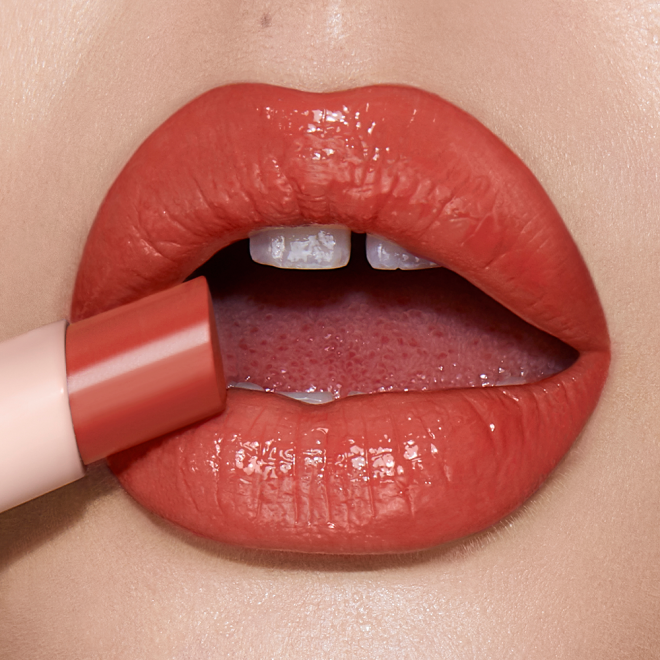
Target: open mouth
(318, 335)
(448, 394)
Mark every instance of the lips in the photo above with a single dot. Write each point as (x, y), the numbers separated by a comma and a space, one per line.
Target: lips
(385, 472)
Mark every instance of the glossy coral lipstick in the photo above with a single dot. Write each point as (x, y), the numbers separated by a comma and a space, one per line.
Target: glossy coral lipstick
(385, 472)
(71, 395)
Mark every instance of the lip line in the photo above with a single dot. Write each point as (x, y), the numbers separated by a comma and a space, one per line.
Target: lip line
(469, 251)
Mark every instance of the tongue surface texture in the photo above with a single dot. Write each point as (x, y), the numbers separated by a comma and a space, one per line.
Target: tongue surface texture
(361, 330)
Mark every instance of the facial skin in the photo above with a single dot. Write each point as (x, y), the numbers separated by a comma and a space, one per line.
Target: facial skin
(570, 86)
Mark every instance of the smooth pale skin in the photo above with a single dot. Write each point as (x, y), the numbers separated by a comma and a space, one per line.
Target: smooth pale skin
(574, 88)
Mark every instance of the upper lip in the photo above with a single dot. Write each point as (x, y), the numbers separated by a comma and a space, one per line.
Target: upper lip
(392, 161)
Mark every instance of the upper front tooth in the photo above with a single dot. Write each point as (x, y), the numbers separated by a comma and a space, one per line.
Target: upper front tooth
(386, 255)
(314, 247)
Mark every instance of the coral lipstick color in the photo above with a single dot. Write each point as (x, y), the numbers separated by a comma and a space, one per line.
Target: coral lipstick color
(377, 473)
(144, 369)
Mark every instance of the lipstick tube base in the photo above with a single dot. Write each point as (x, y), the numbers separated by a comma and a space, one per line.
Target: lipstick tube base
(38, 450)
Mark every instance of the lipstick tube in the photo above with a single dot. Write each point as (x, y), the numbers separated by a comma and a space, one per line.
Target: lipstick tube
(71, 394)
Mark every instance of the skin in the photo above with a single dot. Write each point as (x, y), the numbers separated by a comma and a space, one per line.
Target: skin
(573, 88)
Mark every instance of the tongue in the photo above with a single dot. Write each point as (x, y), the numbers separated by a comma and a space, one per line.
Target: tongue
(361, 330)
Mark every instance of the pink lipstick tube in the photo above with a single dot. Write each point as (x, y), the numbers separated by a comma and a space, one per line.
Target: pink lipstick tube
(73, 394)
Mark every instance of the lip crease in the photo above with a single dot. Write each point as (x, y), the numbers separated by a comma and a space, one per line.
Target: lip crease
(387, 472)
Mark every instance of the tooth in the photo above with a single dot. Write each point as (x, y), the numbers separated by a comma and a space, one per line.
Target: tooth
(510, 380)
(386, 255)
(314, 247)
(246, 386)
(310, 397)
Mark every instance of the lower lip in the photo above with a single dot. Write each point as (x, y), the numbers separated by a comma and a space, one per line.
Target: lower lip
(380, 473)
